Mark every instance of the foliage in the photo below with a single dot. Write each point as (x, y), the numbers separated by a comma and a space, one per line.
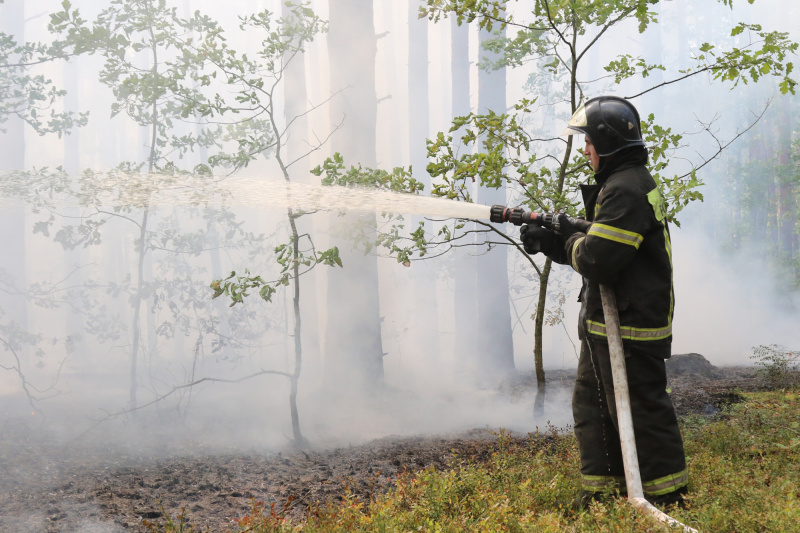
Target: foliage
(742, 478)
(252, 80)
(33, 97)
(159, 95)
(236, 287)
(759, 197)
(743, 465)
(679, 191)
(780, 366)
(392, 236)
(20, 349)
(502, 146)
(552, 39)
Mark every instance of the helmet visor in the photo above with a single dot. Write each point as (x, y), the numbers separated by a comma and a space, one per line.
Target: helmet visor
(577, 123)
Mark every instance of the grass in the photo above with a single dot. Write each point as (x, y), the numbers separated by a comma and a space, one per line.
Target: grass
(744, 469)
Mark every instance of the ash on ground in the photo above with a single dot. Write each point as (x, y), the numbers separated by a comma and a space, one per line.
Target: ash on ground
(46, 486)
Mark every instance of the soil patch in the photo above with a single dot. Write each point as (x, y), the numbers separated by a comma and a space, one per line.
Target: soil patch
(47, 487)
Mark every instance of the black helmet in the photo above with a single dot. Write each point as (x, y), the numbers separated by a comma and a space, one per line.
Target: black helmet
(611, 124)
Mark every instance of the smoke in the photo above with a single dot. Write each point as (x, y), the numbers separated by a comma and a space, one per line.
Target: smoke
(728, 304)
(725, 303)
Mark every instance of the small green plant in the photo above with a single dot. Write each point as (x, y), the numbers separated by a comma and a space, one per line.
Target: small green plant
(780, 367)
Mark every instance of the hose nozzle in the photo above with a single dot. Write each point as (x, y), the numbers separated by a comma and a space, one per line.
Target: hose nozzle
(518, 217)
(515, 215)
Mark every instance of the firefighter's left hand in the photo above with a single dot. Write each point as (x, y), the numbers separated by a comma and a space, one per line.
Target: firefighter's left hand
(536, 239)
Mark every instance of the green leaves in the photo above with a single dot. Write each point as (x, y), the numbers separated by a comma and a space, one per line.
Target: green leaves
(398, 179)
(31, 97)
(761, 54)
(238, 287)
(330, 257)
(678, 191)
(626, 66)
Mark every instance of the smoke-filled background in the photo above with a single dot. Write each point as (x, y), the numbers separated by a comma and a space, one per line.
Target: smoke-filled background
(106, 309)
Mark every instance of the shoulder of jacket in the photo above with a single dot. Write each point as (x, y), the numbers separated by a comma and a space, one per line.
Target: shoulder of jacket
(631, 181)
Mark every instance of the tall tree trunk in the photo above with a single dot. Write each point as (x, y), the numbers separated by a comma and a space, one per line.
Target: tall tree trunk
(136, 302)
(72, 165)
(425, 326)
(495, 345)
(12, 157)
(353, 348)
(465, 300)
(787, 214)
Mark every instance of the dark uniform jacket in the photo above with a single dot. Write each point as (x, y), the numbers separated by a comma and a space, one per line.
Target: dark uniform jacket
(627, 246)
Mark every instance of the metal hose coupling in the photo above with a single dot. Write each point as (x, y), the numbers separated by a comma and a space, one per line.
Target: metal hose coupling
(518, 216)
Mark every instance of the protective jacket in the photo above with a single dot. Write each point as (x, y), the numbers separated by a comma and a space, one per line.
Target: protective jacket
(628, 246)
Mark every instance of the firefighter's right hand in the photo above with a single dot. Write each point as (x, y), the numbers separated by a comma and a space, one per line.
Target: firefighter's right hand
(536, 239)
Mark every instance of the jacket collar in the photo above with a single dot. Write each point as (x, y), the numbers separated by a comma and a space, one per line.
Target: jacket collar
(628, 158)
(635, 156)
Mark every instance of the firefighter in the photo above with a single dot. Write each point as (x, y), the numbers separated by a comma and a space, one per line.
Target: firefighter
(627, 247)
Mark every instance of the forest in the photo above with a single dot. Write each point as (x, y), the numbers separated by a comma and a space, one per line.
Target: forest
(238, 237)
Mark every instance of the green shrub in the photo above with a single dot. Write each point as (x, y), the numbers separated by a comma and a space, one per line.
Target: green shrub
(780, 367)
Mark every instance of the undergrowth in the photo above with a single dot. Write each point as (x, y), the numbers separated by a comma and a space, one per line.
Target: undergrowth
(744, 477)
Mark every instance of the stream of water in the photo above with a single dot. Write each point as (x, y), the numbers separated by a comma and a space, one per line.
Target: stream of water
(116, 189)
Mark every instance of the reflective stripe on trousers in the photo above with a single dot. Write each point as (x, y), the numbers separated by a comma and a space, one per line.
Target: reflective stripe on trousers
(656, 487)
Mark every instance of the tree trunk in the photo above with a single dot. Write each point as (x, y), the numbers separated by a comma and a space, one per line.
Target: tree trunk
(786, 244)
(137, 300)
(465, 300)
(12, 157)
(495, 345)
(142, 265)
(72, 165)
(425, 325)
(353, 347)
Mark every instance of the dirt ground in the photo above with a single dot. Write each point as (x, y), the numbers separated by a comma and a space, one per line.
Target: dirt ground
(103, 490)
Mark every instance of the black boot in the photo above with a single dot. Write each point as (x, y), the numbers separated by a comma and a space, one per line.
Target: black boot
(585, 498)
(671, 498)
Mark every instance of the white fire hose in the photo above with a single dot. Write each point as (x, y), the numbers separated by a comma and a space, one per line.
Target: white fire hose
(630, 459)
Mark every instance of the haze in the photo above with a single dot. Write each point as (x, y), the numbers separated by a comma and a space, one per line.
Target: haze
(434, 344)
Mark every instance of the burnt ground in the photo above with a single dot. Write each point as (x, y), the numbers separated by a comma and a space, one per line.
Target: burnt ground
(103, 490)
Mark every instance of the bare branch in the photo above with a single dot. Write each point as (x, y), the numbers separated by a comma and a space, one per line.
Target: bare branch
(720, 146)
(606, 27)
(27, 385)
(177, 388)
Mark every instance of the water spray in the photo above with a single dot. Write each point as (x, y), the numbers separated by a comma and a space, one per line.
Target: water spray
(117, 188)
(630, 459)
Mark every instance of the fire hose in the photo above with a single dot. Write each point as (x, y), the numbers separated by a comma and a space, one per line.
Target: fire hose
(633, 479)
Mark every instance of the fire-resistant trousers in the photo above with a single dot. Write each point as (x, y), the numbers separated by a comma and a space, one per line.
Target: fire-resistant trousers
(659, 445)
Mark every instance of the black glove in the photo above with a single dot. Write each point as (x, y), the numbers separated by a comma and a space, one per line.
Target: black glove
(536, 239)
(565, 227)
